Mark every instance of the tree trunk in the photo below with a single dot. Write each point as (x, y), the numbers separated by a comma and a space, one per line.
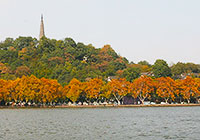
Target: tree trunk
(142, 100)
(180, 100)
(188, 100)
(198, 101)
(166, 100)
(118, 102)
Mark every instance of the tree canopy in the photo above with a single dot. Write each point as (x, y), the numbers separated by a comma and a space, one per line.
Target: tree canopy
(161, 69)
(66, 59)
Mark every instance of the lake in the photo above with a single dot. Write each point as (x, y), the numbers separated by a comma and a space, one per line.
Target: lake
(142, 123)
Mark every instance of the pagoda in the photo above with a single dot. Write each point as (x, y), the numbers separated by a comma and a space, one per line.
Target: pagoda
(41, 28)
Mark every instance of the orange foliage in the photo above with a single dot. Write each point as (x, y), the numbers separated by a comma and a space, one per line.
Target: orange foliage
(4, 68)
(30, 89)
(143, 68)
(120, 73)
(93, 88)
(50, 90)
(166, 88)
(141, 88)
(118, 88)
(105, 53)
(46, 91)
(3, 88)
(73, 90)
(189, 87)
(22, 70)
(106, 93)
(7, 89)
(57, 59)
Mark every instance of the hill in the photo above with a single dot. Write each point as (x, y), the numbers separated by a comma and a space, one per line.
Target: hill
(65, 59)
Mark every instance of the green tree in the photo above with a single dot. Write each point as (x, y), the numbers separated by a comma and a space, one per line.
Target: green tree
(131, 73)
(23, 42)
(161, 69)
(69, 42)
(178, 69)
(192, 68)
(144, 63)
(6, 44)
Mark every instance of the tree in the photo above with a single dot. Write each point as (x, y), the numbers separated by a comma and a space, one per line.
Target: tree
(23, 42)
(27, 89)
(197, 95)
(3, 88)
(141, 88)
(178, 69)
(118, 64)
(118, 88)
(69, 42)
(161, 69)
(144, 63)
(45, 46)
(22, 70)
(106, 92)
(131, 73)
(4, 69)
(93, 88)
(165, 88)
(192, 68)
(6, 44)
(50, 90)
(189, 88)
(107, 53)
(73, 90)
(8, 90)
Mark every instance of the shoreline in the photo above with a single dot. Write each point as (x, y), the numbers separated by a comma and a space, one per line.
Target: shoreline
(98, 106)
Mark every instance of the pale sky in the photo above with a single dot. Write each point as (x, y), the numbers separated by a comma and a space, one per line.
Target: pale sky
(136, 29)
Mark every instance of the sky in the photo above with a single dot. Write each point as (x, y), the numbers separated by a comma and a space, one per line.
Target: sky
(135, 29)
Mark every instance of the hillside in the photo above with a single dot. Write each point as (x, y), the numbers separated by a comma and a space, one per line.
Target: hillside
(66, 59)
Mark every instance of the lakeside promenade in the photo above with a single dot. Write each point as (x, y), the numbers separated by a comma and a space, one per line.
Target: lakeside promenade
(99, 106)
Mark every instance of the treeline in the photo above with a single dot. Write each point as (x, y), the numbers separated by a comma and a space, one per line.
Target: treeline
(32, 90)
(65, 59)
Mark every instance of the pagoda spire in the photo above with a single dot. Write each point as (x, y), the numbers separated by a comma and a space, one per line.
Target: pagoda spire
(41, 28)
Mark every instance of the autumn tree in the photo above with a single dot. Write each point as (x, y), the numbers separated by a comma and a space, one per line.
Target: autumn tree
(93, 88)
(22, 70)
(73, 90)
(189, 88)
(27, 89)
(141, 88)
(8, 90)
(3, 88)
(106, 92)
(118, 88)
(4, 69)
(165, 88)
(197, 83)
(50, 91)
(107, 53)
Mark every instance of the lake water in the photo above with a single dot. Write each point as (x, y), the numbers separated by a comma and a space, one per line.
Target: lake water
(145, 123)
